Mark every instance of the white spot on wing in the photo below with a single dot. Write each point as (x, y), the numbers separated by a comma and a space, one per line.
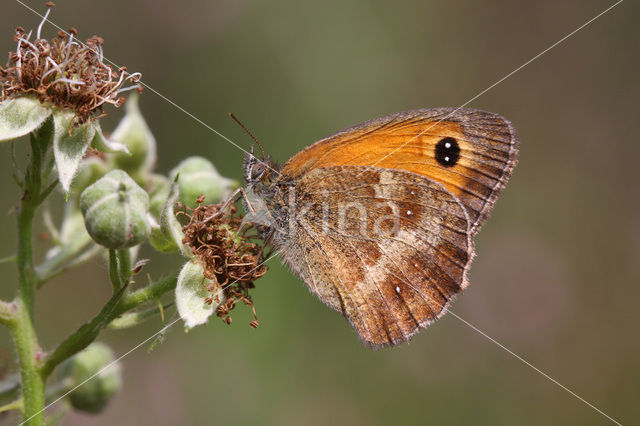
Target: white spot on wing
(397, 289)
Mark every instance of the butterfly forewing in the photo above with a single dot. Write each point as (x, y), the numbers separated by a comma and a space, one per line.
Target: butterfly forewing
(470, 152)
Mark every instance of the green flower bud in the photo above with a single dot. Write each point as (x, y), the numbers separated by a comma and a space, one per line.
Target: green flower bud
(196, 175)
(115, 211)
(94, 394)
(134, 133)
(196, 296)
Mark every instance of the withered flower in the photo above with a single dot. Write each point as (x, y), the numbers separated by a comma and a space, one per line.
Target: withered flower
(229, 251)
(64, 73)
(67, 82)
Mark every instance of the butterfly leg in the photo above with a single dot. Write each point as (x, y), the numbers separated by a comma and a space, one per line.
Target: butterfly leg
(232, 199)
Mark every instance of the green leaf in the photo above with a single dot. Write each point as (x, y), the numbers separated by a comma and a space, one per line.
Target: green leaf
(191, 292)
(68, 150)
(21, 116)
(167, 237)
(103, 144)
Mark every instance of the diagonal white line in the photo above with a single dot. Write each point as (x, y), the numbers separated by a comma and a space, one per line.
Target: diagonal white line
(452, 313)
(524, 361)
(103, 369)
(106, 367)
(498, 82)
(163, 97)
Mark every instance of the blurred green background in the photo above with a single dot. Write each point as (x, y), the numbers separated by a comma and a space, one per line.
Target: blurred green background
(557, 274)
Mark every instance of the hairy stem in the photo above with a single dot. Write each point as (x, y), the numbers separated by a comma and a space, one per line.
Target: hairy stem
(117, 305)
(22, 327)
(124, 265)
(146, 294)
(114, 276)
(86, 334)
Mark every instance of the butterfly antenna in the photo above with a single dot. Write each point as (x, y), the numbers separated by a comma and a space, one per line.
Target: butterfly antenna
(249, 133)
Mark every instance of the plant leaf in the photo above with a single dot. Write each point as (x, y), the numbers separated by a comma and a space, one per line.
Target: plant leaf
(191, 292)
(21, 116)
(103, 144)
(167, 237)
(68, 150)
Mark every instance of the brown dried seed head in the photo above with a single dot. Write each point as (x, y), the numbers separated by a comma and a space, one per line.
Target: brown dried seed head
(49, 70)
(230, 251)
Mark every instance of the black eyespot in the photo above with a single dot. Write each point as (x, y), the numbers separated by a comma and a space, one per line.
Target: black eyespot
(448, 151)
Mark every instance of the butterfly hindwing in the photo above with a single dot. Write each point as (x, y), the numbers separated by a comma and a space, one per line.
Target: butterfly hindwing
(387, 248)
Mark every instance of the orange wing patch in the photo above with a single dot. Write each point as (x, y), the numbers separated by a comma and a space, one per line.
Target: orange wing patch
(472, 153)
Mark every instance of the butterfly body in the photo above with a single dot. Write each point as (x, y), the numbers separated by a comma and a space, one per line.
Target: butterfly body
(378, 220)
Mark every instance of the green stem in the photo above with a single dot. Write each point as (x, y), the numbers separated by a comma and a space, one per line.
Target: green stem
(53, 392)
(22, 327)
(13, 405)
(124, 265)
(86, 334)
(146, 294)
(131, 319)
(117, 305)
(114, 276)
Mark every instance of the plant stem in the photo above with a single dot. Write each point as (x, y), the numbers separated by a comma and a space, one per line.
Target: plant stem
(82, 337)
(22, 328)
(124, 265)
(117, 305)
(114, 276)
(146, 294)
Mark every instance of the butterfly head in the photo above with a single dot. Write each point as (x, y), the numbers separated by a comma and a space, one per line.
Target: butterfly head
(256, 169)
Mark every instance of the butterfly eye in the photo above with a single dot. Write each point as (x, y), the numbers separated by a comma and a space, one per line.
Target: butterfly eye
(448, 151)
(257, 170)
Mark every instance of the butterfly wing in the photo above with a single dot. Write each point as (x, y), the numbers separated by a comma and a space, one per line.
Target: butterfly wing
(387, 248)
(471, 152)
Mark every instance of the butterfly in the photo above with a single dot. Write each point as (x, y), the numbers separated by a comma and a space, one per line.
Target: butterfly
(378, 220)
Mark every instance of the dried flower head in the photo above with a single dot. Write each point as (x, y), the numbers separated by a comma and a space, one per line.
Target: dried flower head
(64, 72)
(228, 251)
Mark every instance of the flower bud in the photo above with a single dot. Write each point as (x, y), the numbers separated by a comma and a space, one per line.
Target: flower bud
(196, 296)
(94, 394)
(196, 176)
(134, 133)
(115, 211)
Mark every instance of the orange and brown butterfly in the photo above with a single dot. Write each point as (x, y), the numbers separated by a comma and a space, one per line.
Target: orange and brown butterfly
(379, 219)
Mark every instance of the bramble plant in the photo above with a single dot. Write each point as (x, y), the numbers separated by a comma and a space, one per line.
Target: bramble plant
(54, 92)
